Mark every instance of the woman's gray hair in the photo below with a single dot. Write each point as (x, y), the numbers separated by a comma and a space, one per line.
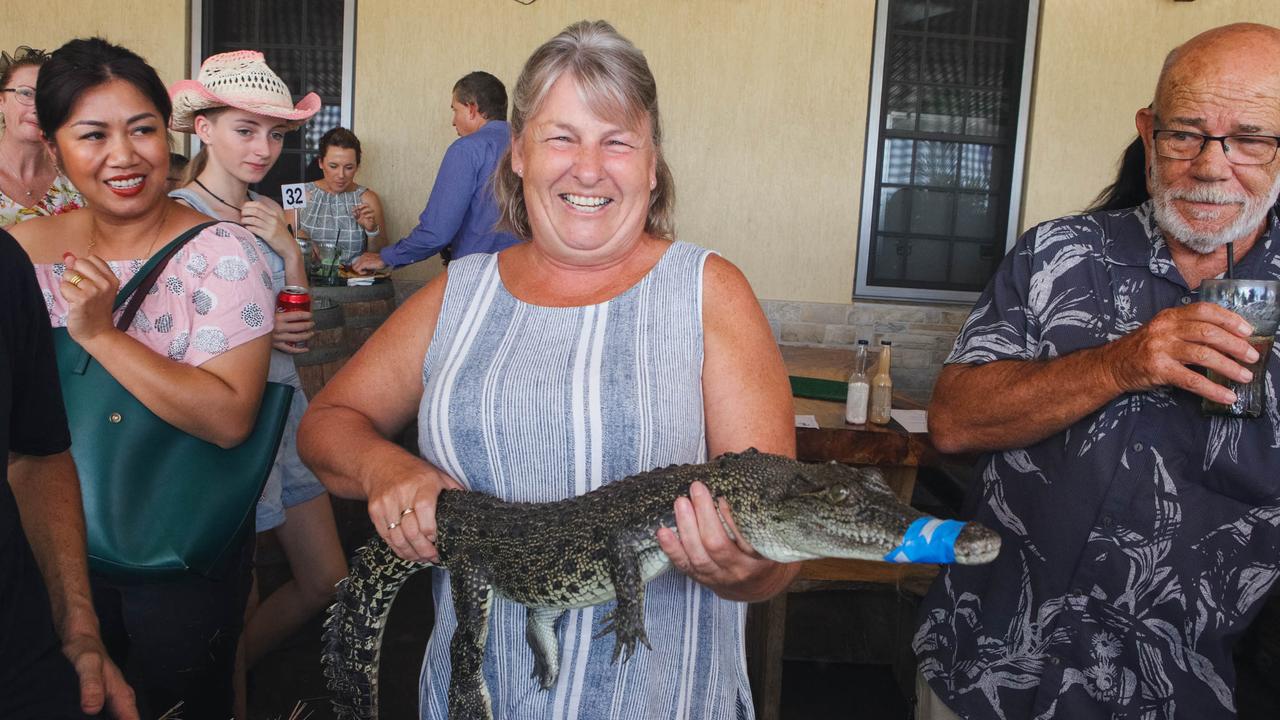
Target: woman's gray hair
(614, 80)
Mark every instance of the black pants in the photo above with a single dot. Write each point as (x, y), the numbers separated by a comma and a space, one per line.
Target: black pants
(176, 639)
(36, 679)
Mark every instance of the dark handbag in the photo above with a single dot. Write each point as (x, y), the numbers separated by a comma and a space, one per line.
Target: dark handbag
(158, 501)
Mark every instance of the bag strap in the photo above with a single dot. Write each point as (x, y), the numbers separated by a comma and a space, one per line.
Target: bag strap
(135, 291)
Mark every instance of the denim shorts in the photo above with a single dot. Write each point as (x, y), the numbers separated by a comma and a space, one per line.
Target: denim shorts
(290, 482)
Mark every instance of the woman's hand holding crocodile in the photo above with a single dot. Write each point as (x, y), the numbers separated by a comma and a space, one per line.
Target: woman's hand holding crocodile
(707, 546)
(402, 507)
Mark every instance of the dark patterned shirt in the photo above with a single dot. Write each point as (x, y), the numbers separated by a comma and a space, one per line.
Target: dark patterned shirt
(1138, 543)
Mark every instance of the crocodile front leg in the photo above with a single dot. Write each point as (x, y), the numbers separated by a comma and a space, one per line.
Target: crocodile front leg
(472, 598)
(626, 620)
(540, 632)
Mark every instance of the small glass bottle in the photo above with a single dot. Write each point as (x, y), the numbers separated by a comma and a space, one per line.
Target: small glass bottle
(855, 406)
(882, 387)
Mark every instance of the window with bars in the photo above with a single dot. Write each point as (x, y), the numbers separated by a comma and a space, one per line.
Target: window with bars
(308, 43)
(945, 137)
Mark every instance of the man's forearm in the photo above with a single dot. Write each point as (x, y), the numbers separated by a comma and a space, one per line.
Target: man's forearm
(48, 495)
(442, 217)
(1016, 403)
(420, 244)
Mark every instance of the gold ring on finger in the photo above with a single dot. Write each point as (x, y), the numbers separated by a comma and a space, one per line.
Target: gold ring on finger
(406, 511)
(74, 278)
(393, 526)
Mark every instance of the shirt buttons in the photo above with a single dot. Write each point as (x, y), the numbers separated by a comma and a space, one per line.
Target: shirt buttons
(1108, 521)
(1139, 447)
(1055, 661)
(1186, 299)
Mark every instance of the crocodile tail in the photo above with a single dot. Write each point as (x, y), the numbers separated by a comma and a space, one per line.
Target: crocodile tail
(353, 630)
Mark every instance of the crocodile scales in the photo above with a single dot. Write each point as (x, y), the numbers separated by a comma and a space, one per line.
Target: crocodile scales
(587, 550)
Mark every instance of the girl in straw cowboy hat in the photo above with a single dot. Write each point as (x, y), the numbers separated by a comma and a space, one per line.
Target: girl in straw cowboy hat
(241, 110)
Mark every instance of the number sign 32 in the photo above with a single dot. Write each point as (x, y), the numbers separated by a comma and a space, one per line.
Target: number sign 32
(293, 196)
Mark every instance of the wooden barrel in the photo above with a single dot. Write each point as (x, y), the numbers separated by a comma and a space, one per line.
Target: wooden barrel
(328, 349)
(364, 307)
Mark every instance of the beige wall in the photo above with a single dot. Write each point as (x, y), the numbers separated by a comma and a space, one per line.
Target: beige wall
(764, 105)
(1097, 64)
(155, 29)
(764, 102)
(765, 108)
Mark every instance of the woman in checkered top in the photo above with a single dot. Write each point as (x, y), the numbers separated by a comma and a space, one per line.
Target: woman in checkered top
(340, 215)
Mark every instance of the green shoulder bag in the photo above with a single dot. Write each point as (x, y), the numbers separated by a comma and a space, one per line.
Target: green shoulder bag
(158, 501)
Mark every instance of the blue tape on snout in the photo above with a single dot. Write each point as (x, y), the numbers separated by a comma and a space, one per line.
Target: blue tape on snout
(928, 540)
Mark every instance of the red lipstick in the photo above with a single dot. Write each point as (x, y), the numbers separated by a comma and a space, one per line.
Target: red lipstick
(128, 191)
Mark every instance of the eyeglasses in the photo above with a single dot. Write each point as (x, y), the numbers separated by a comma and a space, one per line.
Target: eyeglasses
(1239, 149)
(24, 94)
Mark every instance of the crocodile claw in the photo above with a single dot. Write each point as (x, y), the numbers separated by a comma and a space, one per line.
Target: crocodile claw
(628, 635)
(540, 631)
(543, 672)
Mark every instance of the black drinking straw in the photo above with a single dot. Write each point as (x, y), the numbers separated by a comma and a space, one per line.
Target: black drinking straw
(1231, 260)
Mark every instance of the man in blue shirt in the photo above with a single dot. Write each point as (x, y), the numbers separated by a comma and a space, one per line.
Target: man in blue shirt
(461, 212)
(1141, 536)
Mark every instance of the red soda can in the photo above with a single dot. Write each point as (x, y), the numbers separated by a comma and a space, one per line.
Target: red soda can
(293, 297)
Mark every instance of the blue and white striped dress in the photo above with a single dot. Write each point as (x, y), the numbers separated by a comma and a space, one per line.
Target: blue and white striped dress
(533, 404)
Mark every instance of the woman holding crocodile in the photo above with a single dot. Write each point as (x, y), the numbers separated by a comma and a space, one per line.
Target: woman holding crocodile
(598, 349)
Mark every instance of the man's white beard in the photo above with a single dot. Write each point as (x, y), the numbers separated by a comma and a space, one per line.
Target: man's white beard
(1252, 213)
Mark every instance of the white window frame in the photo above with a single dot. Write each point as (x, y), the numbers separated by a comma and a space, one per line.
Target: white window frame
(871, 166)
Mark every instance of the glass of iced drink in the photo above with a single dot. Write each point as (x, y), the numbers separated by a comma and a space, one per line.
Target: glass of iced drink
(1258, 302)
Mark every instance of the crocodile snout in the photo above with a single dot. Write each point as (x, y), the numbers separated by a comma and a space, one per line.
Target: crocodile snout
(976, 544)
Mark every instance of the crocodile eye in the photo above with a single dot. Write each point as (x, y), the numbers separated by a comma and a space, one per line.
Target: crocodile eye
(837, 494)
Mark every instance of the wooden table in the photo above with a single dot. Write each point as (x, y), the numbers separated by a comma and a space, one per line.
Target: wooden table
(895, 451)
(888, 447)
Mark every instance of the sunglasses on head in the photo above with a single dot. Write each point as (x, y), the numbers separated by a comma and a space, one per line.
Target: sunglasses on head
(23, 53)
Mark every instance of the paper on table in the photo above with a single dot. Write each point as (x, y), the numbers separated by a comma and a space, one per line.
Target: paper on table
(914, 421)
(806, 421)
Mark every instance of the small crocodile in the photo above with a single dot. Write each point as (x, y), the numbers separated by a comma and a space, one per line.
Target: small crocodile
(556, 556)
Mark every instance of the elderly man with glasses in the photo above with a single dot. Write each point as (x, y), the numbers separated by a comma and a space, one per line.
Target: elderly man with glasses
(1141, 536)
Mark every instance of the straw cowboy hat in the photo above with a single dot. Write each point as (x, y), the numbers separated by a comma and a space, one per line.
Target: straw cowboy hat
(239, 79)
